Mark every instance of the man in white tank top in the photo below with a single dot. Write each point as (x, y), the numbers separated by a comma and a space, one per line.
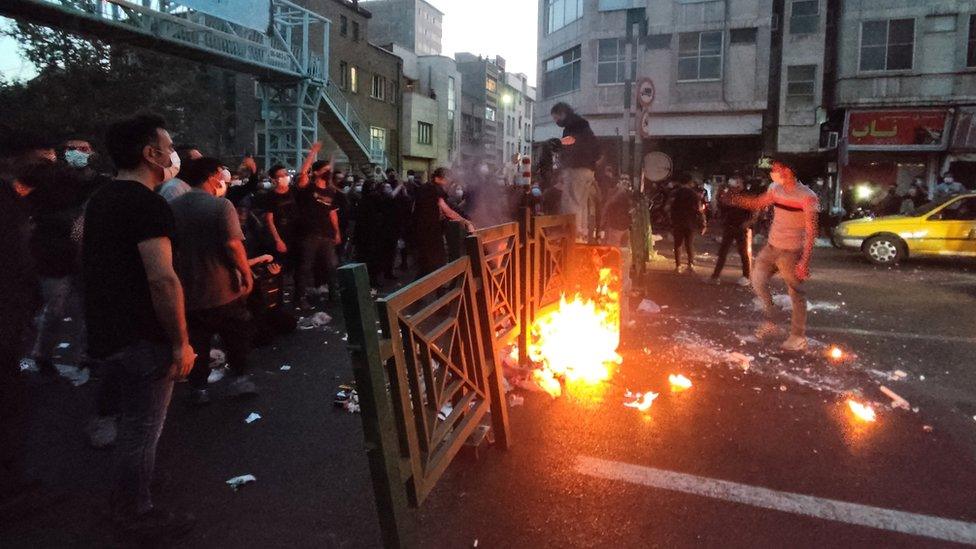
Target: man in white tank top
(788, 250)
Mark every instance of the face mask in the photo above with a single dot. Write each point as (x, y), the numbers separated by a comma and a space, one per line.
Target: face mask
(410, 178)
(284, 180)
(171, 171)
(536, 191)
(459, 193)
(225, 175)
(266, 185)
(76, 159)
(358, 188)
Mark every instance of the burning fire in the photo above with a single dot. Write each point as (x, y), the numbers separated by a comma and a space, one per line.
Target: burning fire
(642, 402)
(577, 342)
(862, 412)
(679, 383)
(835, 353)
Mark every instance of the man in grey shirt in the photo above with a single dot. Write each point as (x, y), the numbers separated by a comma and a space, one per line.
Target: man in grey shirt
(212, 264)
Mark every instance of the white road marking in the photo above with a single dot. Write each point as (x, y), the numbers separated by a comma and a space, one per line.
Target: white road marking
(838, 330)
(828, 509)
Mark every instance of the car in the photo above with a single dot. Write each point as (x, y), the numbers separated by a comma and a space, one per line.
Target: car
(942, 228)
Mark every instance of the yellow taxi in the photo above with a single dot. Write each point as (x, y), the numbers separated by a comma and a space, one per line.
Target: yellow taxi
(943, 228)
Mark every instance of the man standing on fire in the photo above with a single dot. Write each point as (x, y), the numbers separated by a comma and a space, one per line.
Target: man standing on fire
(577, 161)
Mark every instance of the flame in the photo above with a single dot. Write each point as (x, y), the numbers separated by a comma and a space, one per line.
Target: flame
(862, 412)
(577, 342)
(679, 383)
(835, 353)
(642, 402)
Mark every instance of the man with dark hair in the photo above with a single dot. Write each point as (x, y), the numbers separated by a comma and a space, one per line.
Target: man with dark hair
(318, 206)
(577, 160)
(429, 210)
(212, 264)
(281, 215)
(687, 218)
(788, 250)
(134, 314)
(737, 229)
(175, 186)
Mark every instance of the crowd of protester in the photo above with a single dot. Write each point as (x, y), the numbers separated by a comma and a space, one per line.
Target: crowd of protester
(164, 250)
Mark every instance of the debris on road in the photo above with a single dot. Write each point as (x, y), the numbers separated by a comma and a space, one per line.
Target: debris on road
(77, 376)
(252, 417)
(927, 428)
(285, 367)
(648, 307)
(320, 319)
(347, 397)
(64, 345)
(896, 400)
(515, 400)
(236, 482)
(445, 412)
(899, 374)
(679, 383)
(216, 375)
(640, 401)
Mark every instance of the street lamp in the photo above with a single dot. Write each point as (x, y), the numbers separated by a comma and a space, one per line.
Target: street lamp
(507, 99)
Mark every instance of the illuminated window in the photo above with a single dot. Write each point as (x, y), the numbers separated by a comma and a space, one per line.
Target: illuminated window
(489, 114)
(377, 139)
(353, 79)
(491, 85)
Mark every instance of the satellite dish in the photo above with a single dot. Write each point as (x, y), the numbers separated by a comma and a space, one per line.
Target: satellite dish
(657, 166)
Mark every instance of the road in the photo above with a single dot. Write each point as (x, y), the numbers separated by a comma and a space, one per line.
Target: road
(767, 455)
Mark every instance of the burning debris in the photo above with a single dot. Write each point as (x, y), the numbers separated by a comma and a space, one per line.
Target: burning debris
(679, 383)
(862, 412)
(576, 343)
(640, 401)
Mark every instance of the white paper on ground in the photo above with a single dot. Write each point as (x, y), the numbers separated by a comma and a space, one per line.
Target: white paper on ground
(252, 417)
(237, 482)
(648, 307)
(285, 367)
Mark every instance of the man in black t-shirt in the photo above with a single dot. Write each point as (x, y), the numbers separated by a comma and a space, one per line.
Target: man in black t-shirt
(134, 314)
(281, 215)
(429, 209)
(318, 206)
(736, 228)
(687, 218)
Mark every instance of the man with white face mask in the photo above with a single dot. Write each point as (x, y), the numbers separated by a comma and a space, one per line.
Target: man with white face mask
(173, 187)
(134, 316)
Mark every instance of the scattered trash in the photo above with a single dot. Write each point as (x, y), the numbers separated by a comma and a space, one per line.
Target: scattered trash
(896, 401)
(216, 375)
(67, 319)
(347, 398)
(252, 417)
(77, 376)
(679, 383)
(641, 402)
(236, 482)
(899, 374)
(921, 378)
(285, 367)
(320, 319)
(64, 345)
(345, 337)
(515, 400)
(648, 307)
(28, 365)
(445, 412)
(927, 428)
(475, 542)
(782, 388)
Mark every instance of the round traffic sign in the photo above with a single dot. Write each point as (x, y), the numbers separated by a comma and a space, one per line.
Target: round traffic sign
(657, 166)
(645, 92)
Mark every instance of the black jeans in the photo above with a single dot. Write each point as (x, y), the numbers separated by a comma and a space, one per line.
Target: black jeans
(232, 322)
(743, 240)
(314, 249)
(684, 236)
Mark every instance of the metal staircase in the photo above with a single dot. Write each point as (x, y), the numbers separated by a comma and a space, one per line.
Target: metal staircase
(293, 79)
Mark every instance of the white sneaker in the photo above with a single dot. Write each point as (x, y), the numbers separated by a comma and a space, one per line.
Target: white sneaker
(765, 330)
(794, 343)
(743, 281)
(101, 431)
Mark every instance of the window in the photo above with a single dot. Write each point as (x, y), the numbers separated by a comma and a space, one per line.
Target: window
(343, 75)
(489, 114)
(491, 85)
(343, 25)
(743, 36)
(658, 41)
(353, 79)
(377, 139)
(378, 89)
(971, 55)
(700, 56)
(451, 98)
(560, 13)
(960, 210)
(562, 73)
(805, 17)
(801, 83)
(887, 45)
(425, 133)
(355, 31)
(612, 62)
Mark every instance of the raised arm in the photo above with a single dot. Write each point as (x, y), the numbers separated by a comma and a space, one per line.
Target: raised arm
(303, 172)
(754, 203)
(167, 298)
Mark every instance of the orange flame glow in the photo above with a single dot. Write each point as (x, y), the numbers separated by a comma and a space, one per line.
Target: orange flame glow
(862, 412)
(642, 402)
(835, 353)
(577, 342)
(679, 383)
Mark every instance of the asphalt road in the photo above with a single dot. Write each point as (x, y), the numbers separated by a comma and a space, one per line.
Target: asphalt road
(767, 455)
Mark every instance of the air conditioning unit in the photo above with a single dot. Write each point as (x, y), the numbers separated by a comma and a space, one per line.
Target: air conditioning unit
(832, 139)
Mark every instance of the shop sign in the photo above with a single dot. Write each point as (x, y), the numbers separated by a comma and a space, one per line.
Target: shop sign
(897, 130)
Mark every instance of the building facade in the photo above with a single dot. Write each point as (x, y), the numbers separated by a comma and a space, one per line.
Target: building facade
(517, 109)
(432, 86)
(481, 122)
(720, 84)
(414, 24)
(369, 76)
(906, 91)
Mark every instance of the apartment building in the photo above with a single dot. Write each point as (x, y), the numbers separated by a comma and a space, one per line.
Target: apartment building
(414, 24)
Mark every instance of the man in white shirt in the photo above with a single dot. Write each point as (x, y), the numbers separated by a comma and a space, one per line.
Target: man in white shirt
(791, 240)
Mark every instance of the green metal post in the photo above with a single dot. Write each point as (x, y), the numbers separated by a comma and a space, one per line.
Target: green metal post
(379, 427)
